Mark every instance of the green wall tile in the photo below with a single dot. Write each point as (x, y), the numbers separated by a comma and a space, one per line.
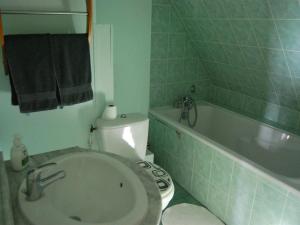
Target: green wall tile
(185, 152)
(158, 71)
(264, 209)
(258, 9)
(215, 8)
(176, 45)
(288, 119)
(224, 32)
(234, 55)
(200, 188)
(243, 184)
(221, 171)
(175, 65)
(176, 25)
(160, 18)
(276, 62)
(292, 210)
(159, 46)
(175, 70)
(285, 9)
(266, 33)
(289, 33)
(157, 95)
(203, 159)
(235, 8)
(255, 55)
(244, 33)
(217, 201)
(293, 61)
(160, 2)
(191, 69)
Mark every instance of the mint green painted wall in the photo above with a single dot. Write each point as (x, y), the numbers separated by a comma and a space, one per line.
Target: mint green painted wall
(175, 64)
(131, 20)
(251, 52)
(50, 130)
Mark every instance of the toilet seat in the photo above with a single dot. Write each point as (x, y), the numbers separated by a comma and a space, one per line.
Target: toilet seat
(163, 181)
(189, 214)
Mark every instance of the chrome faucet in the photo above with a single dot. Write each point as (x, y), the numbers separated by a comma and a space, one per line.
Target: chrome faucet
(35, 184)
(186, 103)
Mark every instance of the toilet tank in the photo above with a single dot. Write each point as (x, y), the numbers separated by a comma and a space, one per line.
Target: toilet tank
(125, 136)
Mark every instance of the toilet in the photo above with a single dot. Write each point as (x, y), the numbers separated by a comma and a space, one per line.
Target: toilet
(127, 136)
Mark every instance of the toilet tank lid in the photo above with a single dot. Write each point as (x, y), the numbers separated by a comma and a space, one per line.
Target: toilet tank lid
(121, 121)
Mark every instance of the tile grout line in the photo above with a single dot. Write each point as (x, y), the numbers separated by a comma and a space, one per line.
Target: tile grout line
(284, 208)
(245, 46)
(253, 200)
(168, 54)
(230, 189)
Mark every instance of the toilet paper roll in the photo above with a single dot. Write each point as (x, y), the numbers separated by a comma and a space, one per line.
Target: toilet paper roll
(110, 112)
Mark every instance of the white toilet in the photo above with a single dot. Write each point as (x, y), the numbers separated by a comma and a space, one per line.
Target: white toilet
(127, 136)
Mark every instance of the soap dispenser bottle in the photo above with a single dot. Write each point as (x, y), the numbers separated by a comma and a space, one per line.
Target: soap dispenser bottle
(19, 155)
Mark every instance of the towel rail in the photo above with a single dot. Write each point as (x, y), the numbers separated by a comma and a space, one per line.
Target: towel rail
(22, 12)
(88, 13)
(1, 32)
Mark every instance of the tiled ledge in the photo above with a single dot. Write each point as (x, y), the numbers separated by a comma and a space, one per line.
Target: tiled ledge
(6, 216)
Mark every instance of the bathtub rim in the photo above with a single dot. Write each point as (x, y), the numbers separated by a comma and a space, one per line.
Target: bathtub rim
(280, 180)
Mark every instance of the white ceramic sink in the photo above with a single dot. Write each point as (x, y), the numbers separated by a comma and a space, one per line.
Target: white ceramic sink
(97, 189)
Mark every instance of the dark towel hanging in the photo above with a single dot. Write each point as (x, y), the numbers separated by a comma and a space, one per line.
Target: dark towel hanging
(48, 70)
(31, 71)
(71, 57)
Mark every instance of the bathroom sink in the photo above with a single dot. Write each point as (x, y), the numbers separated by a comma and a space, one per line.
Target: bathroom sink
(97, 189)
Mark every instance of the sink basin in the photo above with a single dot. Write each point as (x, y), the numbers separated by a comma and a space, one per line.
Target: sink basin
(98, 189)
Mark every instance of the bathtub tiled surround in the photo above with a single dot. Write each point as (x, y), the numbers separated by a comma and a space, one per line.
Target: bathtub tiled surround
(175, 65)
(229, 187)
(273, 114)
(250, 51)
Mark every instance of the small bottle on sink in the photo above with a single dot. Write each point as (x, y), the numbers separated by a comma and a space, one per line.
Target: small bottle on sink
(19, 156)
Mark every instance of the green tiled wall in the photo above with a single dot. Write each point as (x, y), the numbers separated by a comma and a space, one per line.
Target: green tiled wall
(233, 192)
(175, 65)
(250, 49)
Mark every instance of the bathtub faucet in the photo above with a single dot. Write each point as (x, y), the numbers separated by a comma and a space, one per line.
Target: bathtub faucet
(187, 103)
(183, 101)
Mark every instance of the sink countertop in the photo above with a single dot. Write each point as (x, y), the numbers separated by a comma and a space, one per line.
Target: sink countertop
(16, 178)
(6, 214)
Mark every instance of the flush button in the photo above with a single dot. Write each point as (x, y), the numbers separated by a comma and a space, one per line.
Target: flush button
(123, 116)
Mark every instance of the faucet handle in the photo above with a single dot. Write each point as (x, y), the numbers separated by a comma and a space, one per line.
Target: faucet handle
(47, 164)
(35, 172)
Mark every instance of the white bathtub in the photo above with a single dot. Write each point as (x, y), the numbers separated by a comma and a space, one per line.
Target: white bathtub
(268, 149)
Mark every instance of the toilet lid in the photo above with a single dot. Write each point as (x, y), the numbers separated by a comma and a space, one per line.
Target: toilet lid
(162, 178)
(189, 214)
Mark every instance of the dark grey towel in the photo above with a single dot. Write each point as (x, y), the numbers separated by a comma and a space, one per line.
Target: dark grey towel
(71, 56)
(31, 70)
